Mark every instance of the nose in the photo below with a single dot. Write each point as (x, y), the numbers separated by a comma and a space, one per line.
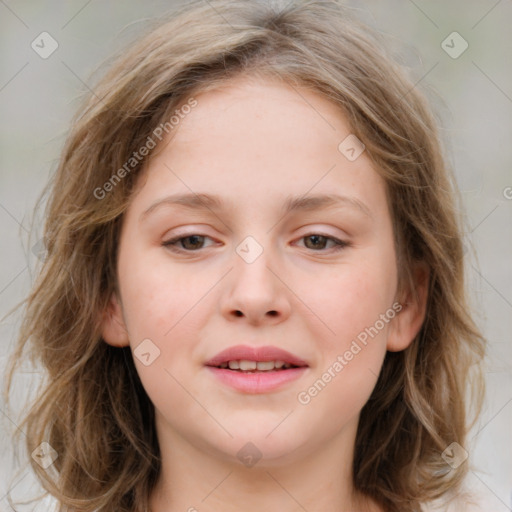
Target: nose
(255, 292)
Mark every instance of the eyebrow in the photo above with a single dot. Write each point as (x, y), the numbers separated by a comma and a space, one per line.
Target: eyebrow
(292, 204)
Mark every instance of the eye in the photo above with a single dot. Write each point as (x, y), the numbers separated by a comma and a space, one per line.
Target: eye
(195, 242)
(318, 242)
(186, 243)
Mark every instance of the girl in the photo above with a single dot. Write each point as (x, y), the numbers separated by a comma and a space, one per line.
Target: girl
(253, 296)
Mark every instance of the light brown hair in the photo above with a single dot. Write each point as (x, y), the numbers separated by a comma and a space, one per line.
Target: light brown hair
(102, 427)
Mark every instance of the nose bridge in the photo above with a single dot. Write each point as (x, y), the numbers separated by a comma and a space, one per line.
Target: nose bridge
(254, 291)
(251, 267)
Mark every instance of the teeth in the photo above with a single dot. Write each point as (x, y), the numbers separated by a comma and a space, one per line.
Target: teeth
(264, 366)
(234, 365)
(247, 365)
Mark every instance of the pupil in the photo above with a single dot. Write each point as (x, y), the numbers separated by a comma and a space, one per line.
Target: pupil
(318, 240)
(196, 242)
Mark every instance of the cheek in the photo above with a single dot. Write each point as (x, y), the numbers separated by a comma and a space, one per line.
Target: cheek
(352, 357)
(356, 304)
(156, 294)
(151, 302)
(167, 304)
(166, 307)
(354, 297)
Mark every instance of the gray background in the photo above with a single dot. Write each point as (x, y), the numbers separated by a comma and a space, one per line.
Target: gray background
(472, 94)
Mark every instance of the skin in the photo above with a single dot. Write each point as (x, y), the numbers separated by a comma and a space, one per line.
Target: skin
(254, 143)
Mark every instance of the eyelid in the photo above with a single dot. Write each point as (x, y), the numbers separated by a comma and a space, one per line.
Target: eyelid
(185, 230)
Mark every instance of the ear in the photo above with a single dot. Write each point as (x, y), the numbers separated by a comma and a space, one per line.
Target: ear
(407, 323)
(113, 328)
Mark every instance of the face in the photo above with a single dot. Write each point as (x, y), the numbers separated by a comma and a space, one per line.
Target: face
(251, 232)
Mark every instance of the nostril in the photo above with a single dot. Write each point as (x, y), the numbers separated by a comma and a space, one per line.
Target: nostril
(272, 313)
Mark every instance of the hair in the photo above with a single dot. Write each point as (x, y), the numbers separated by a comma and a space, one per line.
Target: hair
(102, 427)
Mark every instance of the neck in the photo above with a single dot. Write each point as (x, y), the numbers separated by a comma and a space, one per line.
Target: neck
(200, 479)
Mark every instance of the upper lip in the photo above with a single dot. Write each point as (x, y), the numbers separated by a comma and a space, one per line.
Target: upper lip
(245, 352)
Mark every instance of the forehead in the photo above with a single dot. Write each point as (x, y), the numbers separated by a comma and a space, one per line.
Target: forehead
(261, 141)
(253, 121)
(248, 105)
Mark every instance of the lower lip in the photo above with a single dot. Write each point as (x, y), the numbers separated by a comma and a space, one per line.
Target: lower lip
(257, 382)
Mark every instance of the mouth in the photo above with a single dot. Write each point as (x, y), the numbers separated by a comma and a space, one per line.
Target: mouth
(246, 366)
(256, 369)
(256, 359)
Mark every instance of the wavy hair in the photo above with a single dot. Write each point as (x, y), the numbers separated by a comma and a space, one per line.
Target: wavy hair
(103, 428)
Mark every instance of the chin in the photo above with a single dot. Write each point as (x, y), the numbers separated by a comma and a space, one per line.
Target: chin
(277, 449)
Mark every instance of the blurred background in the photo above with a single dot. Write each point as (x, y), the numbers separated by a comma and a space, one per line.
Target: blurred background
(459, 54)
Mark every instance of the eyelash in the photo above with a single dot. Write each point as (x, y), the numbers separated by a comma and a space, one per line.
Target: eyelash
(338, 244)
